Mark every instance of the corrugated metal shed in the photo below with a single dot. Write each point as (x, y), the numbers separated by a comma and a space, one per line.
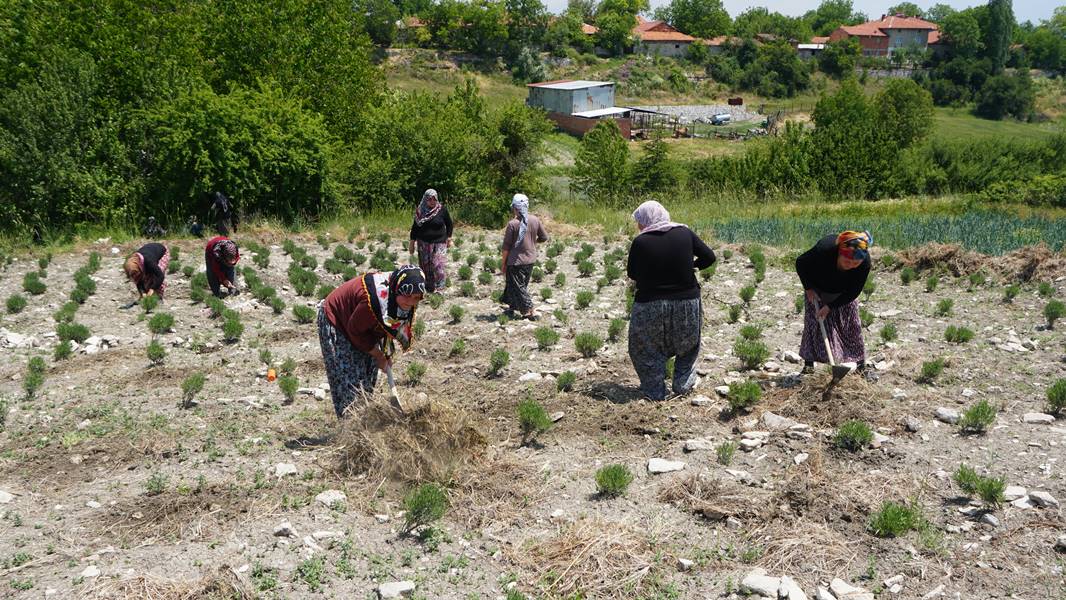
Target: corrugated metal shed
(571, 96)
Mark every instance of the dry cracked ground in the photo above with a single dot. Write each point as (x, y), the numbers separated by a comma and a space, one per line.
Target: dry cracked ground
(110, 489)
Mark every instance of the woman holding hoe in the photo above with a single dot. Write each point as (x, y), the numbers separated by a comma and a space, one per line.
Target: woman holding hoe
(833, 274)
(359, 324)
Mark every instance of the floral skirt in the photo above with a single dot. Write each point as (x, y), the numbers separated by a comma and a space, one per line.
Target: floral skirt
(844, 328)
(433, 259)
(661, 329)
(352, 373)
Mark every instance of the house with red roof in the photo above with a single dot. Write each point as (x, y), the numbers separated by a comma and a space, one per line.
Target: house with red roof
(660, 38)
(889, 34)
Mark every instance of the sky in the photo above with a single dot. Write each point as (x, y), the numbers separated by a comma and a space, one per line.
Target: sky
(1024, 10)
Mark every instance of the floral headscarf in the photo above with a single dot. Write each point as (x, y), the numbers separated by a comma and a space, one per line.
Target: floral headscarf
(383, 288)
(855, 245)
(652, 216)
(423, 214)
(226, 251)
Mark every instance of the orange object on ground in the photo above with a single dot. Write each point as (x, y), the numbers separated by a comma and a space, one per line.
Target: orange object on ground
(271, 375)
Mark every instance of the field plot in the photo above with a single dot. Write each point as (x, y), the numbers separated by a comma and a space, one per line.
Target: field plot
(124, 475)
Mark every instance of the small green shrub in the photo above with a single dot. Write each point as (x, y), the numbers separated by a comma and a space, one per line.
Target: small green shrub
(1045, 289)
(584, 298)
(907, 275)
(977, 279)
(566, 381)
(456, 312)
(435, 301)
(957, 335)
(613, 272)
(232, 329)
(799, 303)
(707, 273)
(415, 372)
(156, 352)
(978, 418)
(894, 520)
(853, 436)
(1011, 292)
(560, 280)
(324, 291)
(532, 418)
(15, 304)
(615, 329)
(32, 284)
(989, 489)
(458, 348)
(288, 384)
(931, 369)
(467, 290)
(546, 337)
(190, 387)
(277, 305)
(161, 323)
(734, 313)
(586, 268)
(747, 293)
(63, 350)
(752, 353)
(1053, 311)
(156, 484)
(869, 288)
(725, 452)
(612, 481)
(149, 303)
(943, 308)
(424, 506)
(588, 343)
(866, 317)
(498, 361)
(751, 332)
(931, 282)
(744, 395)
(537, 275)
(66, 313)
(555, 249)
(727, 254)
(889, 333)
(471, 260)
(550, 266)
(303, 313)
(72, 331)
(465, 273)
(545, 293)
(419, 328)
(1056, 396)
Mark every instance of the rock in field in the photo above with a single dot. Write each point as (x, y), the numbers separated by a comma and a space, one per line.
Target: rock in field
(659, 465)
(396, 589)
(1013, 492)
(285, 529)
(845, 591)
(1060, 544)
(91, 571)
(283, 469)
(331, 497)
(790, 589)
(911, 424)
(1038, 418)
(6, 497)
(698, 444)
(683, 564)
(947, 415)
(773, 421)
(701, 401)
(1043, 499)
(757, 582)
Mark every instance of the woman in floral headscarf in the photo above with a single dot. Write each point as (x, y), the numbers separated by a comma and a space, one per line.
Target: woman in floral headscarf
(833, 274)
(147, 269)
(359, 325)
(431, 232)
(221, 256)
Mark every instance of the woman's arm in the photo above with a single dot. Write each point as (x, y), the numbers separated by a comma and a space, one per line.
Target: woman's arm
(447, 223)
(703, 253)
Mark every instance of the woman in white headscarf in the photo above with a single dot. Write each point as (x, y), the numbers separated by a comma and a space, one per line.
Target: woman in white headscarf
(431, 232)
(520, 240)
(667, 314)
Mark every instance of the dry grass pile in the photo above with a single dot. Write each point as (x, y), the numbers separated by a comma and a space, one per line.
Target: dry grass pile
(813, 550)
(954, 258)
(430, 443)
(1032, 263)
(591, 558)
(1024, 264)
(224, 584)
(495, 491)
(850, 399)
(712, 498)
(176, 515)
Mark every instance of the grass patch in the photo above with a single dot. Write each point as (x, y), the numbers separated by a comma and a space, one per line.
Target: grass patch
(978, 418)
(744, 395)
(612, 481)
(853, 436)
(532, 419)
(894, 520)
(588, 343)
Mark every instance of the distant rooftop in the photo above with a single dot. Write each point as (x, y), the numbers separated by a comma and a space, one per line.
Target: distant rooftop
(569, 84)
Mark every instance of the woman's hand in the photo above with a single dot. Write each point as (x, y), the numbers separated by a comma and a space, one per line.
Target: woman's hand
(449, 242)
(379, 357)
(823, 312)
(411, 247)
(150, 293)
(812, 296)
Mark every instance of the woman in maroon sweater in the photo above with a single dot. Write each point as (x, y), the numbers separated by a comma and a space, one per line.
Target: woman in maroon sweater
(359, 324)
(221, 256)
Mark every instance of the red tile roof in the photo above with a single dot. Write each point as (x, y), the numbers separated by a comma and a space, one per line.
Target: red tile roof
(903, 22)
(820, 39)
(589, 29)
(934, 37)
(863, 30)
(659, 31)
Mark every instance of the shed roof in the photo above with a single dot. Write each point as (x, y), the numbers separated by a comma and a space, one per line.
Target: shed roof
(601, 112)
(569, 84)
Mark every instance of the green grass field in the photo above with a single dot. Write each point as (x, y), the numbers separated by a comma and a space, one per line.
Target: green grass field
(952, 123)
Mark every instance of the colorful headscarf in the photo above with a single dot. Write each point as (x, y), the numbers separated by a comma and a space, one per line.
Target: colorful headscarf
(383, 288)
(520, 203)
(423, 214)
(652, 216)
(226, 251)
(855, 245)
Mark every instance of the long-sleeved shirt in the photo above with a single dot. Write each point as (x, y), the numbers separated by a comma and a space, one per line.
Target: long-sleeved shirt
(817, 270)
(348, 309)
(152, 277)
(662, 264)
(213, 263)
(526, 252)
(434, 231)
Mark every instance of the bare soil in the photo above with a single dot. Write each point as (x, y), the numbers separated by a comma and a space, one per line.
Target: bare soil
(107, 471)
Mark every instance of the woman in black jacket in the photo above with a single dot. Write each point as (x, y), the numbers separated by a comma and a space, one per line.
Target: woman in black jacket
(667, 315)
(431, 232)
(833, 274)
(147, 269)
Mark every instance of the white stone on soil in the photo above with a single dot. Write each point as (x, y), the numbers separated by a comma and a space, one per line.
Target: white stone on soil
(530, 377)
(774, 421)
(1039, 418)
(757, 582)
(91, 571)
(557, 416)
(283, 469)
(698, 444)
(934, 593)
(749, 444)
(1043, 499)
(396, 589)
(800, 458)
(722, 390)
(701, 400)
(790, 589)
(683, 564)
(990, 519)
(659, 465)
(792, 357)
(947, 415)
(1013, 492)
(823, 594)
(331, 497)
(6, 497)
(845, 591)
(1060, 544)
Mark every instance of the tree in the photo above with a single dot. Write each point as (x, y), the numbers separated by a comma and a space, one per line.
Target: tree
(654, 171)
(379, 20)
(999, 32)
(760, 20)
(527, 22)
(527, 67)
(623, 7)
(601, 169)
(615, 31)
(938, 12)
(962, 33)
(909, 109)
(777, 71)
(1003, 96)
(831, 14)
(582, 9)
(699, 18)
(854, 151)
(839, 58)
(1047, 49)
(909, 9)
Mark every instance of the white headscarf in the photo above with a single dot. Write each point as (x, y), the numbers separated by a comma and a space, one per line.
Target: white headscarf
(652, 216)
(520, 203)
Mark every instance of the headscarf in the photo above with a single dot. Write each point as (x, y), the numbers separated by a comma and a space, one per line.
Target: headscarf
(520, 203)
(423, 214)
(225, 251)
(383, 288)
(652, 216)
(855, 245)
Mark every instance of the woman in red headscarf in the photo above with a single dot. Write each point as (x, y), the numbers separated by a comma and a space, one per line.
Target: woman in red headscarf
(833, 274)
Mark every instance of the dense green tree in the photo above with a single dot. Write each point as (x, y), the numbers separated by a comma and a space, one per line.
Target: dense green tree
(622, 7)
(615, 31)
(909, 108)
(831, 14)
(527, 23)
(909, 9)
(566, 32)
(963, 33)
(484, 30)
(998, 33)
(839, 58)
(582, 9)
(655, 171)
(1046, 49)
(700, 18)
(1003, 96)
(853, 149)
(777, 71)
(938, 12)
(379, 20)
(601, 169)
(760, 20)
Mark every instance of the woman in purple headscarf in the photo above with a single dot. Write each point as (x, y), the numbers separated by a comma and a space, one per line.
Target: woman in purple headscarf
(667, 314)
(431, 232)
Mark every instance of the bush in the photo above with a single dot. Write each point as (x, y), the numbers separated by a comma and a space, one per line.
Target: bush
(537, 275)
(32, 283)
(467, 290)
(889, 333)
(303, 313)
(66, 313)
(799, 303)
(550, 266)
(1056, 397)
(560, 280)
(566, 381)
(232, 328)
(546, 337)
(869, 288)
(584, 298)
(72, 331)
(277, 305)
(751, 332)
(725, 452)
(465, 273)
(931, 283)
(747, 293)
(156, 352)
(192, 385)
(458, 348)
(63, 350)
(1053, 311)
(989, 489)
(588, 343)
(423, 506)
(907, 275)
(744, 395)
(324, 291)
(752, 353)
(977, 279)
(866, 317)
(15, 304)
(853, 436)
(532, 418)
(586, 268)
(161, 323)
(615, 329)
(149, 303)
(456, 312)
(613, 480)
(415, 372)
(931, 369)
(545, 293)
(894, 520)
(498, 361)
(943, 308)
(288, 384)
(978, 418)
(957, 335)
(1010, 292)
(734, 313)
(1045, 289)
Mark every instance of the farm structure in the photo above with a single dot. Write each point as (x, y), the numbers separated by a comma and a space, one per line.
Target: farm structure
(576, 106)
(889, 34)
